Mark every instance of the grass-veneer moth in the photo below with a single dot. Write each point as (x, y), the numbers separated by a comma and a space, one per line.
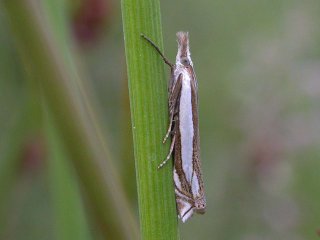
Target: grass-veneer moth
(184, 131)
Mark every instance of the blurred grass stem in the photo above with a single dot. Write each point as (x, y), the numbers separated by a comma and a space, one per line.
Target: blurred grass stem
(71, 111)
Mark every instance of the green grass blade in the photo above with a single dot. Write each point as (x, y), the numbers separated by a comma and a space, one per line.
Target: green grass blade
(70, 219)
(149, 114)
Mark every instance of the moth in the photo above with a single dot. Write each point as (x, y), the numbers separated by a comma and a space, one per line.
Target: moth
(184, 131)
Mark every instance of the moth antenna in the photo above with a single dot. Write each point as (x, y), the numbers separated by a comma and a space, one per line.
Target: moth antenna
(157, 49)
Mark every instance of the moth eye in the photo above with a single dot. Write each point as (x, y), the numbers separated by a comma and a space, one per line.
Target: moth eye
(185, 61)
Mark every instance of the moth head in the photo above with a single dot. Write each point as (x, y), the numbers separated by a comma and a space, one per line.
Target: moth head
(200, 206)
(183, 55)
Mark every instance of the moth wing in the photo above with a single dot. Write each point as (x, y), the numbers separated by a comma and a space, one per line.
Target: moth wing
(175, 91)
(197, 182)
(185, 209)
(194, 87)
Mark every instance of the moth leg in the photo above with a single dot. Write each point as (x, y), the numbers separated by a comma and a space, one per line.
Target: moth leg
(173, 108)
(170, 152)
(169, 129)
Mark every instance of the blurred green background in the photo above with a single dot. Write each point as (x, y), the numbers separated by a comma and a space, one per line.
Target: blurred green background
(258, 68)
